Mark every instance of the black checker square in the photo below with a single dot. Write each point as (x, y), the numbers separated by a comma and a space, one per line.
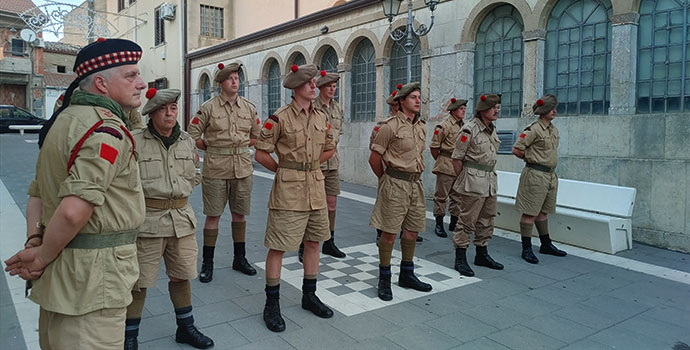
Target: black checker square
(349, 270)
(356, 254)
(293, 267)
(371, 292)
(354, 262)
(344, 280)
(327, 260)
(341, 290)
(438, 277)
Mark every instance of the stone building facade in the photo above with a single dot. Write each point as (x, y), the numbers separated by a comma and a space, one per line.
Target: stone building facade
(621, 69)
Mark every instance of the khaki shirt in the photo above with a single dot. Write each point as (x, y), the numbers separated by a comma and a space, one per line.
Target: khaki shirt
(401, 143)
(167, 174)
(104, 173)
(136, 121)
(478, 143)
(375, 130)
(226, 125)
(296, 138)
(335, 113)
(540, 142)
(445, 136)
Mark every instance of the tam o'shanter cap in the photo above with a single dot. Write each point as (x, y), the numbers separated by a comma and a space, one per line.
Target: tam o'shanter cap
(326, 78)
(299, 75)
(545, 104)
(224, 71)
(456, 103)
(406, 90)
(159, 98)
(487, 102)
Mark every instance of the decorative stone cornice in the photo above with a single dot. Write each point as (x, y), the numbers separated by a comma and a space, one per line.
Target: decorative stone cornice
(465, 47)
(531, 35)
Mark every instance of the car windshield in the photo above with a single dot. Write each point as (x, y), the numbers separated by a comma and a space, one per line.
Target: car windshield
(20, 113)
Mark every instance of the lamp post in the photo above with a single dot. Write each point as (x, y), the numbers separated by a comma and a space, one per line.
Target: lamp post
(391, 9)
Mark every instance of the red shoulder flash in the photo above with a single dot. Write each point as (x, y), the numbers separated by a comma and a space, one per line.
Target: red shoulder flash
(376, 128)
(463, 139)
(329, 125)
(195, 121)
(522, 136)
(436, 132)
(268, 125)
(108, 153)
(258, 122)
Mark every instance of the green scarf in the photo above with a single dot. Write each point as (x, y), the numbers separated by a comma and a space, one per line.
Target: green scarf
(167, 141)
(80, 97)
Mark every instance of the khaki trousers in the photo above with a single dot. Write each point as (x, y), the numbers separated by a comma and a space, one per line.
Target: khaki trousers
(100, 329)
(444, 185)
(476, 215)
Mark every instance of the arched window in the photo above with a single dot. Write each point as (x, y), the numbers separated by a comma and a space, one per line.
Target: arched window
(299, 60)
(273, 91)
(663, 66)
(205, 93)
(329, 63)
(363, 82)
(578, 56)
(398, 63)
(243, 82)
(498, 59)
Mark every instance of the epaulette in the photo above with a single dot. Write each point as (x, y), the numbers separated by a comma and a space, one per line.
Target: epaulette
(248, 101)
(440, 126)
(467, 131)
(389, 119)
(281, 109)
(141, 131)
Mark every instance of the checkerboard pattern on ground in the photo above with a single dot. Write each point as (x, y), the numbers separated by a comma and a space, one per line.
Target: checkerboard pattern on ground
(349, 285)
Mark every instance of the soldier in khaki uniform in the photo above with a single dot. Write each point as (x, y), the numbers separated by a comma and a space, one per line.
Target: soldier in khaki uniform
(536, 195)
(135, 120)
(86, 205)
(442, 146)
(168, 164)
(396, 159)
(302, 138)
(394, 111)
(229, 125)
(327, 84)
(474, 159)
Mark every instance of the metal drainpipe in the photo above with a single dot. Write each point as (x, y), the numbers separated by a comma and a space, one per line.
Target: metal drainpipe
(186, 74)
(296, 9)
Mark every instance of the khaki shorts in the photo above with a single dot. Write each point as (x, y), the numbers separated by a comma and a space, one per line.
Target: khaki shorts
(332, 181)
(100, 329)
(180, 256)
(536, 192)
(399, 204)
(286, 229)
(236, 192)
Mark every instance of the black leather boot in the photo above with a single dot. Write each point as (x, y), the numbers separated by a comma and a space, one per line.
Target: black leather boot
(330, 248)
(453, 222)
(239, 262)
(189, 334)
(300, 252)
(311, 302)
(407, 278)
(483, 259)
(206, 274)
(527, 253)
(385, 292)
(274, 321)
(131, 343)
(438, 229)
(548, 248)
(461, 264)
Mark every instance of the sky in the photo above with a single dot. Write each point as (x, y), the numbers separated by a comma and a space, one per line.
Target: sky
(48, 36)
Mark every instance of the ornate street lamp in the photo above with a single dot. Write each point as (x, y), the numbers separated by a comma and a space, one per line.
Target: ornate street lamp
(390, 10)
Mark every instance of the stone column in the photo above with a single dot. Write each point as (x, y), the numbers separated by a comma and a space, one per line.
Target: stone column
(345, 71)
(623, 62)
(464, 87)
(253, 90)
(533, 69)
(382, 65)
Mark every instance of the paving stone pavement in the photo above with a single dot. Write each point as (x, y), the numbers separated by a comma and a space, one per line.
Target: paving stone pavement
(561, 303)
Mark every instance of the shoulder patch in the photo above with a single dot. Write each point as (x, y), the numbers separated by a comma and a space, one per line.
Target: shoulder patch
(436, 131)
(108, 153)
(110, 131)
(522, 136)
(273, 118)
(195, 121)
(463, 139)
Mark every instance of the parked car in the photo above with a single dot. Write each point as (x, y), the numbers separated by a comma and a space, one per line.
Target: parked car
(13, 115)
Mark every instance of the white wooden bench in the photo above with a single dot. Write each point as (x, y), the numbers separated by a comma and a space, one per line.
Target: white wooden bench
(22, 128)
(588, 215)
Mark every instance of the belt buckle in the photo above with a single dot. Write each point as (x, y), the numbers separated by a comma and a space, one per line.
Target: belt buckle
(307, 166)
(169, 203)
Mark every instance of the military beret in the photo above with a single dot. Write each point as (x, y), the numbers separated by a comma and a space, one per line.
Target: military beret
(391, 99)
(486, 102)
(299, 75)
(106, 53)
(326, 78)
(224, 71)
(159, 98)
(545, 104)
(455, 104)
(406, 90)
